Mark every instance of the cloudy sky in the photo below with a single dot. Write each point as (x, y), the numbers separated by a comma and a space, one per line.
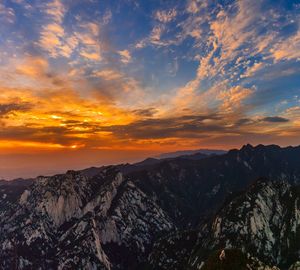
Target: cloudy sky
(91, 82)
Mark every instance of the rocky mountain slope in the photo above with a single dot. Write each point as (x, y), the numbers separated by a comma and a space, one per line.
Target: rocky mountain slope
(263, 222)
(67, 221)
(171, 214)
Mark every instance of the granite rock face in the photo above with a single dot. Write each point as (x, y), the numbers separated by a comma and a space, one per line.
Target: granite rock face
(263, 223)
(70, 220)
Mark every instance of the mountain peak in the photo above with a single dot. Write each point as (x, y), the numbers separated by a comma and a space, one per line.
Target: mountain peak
(247, 147)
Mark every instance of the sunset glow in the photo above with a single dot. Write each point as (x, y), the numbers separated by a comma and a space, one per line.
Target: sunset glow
(129, 79)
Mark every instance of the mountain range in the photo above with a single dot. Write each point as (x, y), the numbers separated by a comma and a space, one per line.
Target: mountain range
(172, 213)
(185, 153)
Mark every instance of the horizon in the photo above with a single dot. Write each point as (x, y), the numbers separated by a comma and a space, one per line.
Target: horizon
(64, 170)
(92, 83)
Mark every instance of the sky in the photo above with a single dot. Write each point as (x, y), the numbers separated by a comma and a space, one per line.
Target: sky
(92, 82)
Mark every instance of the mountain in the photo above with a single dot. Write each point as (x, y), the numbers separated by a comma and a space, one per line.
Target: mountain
(234, 260)
(10, 191)
(144, 164)
(66, 221)
(191, 152)
(263, 221)
(172, 214)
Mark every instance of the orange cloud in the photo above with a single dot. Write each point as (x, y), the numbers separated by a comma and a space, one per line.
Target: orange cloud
(91, 55)
(34, 67)
(52, 36)
(287, 49)
(232, 99)
(60, 118)
(253, 69)
(125, 56)
(108, 74)
(89, 39)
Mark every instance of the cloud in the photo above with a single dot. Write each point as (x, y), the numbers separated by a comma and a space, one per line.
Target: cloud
(140, 44)
(230, 46)
(33, 73)
(89, 39)
(233, 35)
(107, 17)
(275, 119)
(91, 54)
(116, 87)
(76, 88)
(52, 34)
(162, 19)
(173, 67)
(7, 14)
(57, 117)
(220, 35)
(243, 121)
(192, 128)
(232, 99)
(51, 40)
(32, 66)
(7, 108)
(125, 56)
(56, 10)
(194, 6)
(165, 16)
(84, 39)
(257, 121)
(252, 70)
(155, 36)
(148, 112)
(108, 74)
(287, 49)
(293, 113)
(294, 109)
(187, 126)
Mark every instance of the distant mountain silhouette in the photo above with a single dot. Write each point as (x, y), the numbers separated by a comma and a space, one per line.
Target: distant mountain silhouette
(191, 152)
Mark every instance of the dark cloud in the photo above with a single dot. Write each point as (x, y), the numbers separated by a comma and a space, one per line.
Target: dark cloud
(275, 119)
(269, 119)
(12, 107)
(56, 80)
(205, 127)
(189, 126)
(148, 112)
(59, 135)
(72, 122)
(243, 121)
